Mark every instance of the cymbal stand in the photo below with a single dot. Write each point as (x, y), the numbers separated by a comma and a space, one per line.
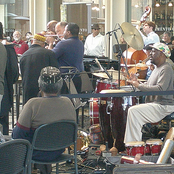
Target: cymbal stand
(109, 38)
(120, 55)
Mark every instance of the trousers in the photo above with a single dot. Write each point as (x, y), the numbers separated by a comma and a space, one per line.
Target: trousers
(141, 114)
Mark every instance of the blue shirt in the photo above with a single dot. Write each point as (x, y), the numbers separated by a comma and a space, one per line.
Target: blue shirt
(69, 52)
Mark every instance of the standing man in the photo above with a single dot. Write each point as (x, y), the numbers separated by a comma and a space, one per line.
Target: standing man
(94, 44)
(69, 52)
(156, 107)
(150, 36)
(59, 30)
(3, 59)
(31, 63)
(20, 45)
(51, 25)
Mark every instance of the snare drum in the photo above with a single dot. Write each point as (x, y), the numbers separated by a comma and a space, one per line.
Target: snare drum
(135, 147)
(94, 111)
(153, 146)
(104, 84)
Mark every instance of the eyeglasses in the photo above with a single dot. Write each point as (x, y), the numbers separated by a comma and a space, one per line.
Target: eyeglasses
(94, 29)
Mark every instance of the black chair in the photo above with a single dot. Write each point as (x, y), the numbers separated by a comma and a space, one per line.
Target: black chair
(169, 118)
(56, 136)
(14, 156)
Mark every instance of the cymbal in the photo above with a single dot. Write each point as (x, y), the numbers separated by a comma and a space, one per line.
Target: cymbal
(132, 36)
(112, 73)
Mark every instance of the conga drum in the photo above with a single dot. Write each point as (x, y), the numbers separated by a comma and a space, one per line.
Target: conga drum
(94, 111)
(113, 116)
(135, 147)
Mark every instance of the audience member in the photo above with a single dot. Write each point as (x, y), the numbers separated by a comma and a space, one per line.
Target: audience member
(10, 77)
(167, 38)
(156, 107)
(20, 45)
(28, 36)
(95, 44)
(42, 110)
(31, 63)
(69, 52)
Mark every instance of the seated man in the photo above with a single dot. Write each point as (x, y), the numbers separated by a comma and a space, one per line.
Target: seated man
(156, 107)
(46, 109)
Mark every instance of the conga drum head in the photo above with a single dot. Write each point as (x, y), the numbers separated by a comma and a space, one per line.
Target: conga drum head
(154, 142)
(135, 144)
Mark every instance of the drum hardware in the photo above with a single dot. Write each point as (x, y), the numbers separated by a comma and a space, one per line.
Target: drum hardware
(109, 106)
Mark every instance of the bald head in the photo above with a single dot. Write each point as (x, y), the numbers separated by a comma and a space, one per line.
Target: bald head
(51, 25)
(60, 28)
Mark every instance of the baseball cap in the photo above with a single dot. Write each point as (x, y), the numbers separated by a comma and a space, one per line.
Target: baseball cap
(50, 75)
(95, 26)
(163, 48)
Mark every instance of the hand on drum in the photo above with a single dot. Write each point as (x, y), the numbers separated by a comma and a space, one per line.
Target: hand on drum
(133, 80)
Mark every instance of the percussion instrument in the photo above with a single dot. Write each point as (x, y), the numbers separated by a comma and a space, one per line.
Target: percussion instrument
(94, 111)
(104, 84)
(153, 147)
(132, 36)
(113, 116)
(135, 147)
(111, 72)
(95, 134)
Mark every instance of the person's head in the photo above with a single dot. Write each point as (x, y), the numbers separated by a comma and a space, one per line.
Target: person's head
(160, 52)
(95, 29)
(39, 39)
(148, 49)
(17, 36)
(60, 28)
(71, 30)
(172, 40)
(51, 25)
(166, 37)
(28, 35)
(148, 27)
(50, 80)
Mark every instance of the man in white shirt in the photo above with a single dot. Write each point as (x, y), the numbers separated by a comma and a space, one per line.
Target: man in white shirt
(151, 36)
(94, 44)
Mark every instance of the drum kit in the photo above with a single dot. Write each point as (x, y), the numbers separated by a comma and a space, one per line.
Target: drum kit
(111, 112)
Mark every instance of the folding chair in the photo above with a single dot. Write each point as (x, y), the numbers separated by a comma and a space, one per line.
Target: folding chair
(56, 136)
(14, 156)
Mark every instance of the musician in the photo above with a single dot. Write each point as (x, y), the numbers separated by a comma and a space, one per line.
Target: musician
(46, 109)
(95, 44)
(59, 30)
(156, 107)
(51, 25)
(20, 45)
(31, 63)
(69, 52)
(148, 29)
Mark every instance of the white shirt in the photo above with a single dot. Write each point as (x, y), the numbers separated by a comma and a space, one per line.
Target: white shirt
(152, 37)
(94, 46)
